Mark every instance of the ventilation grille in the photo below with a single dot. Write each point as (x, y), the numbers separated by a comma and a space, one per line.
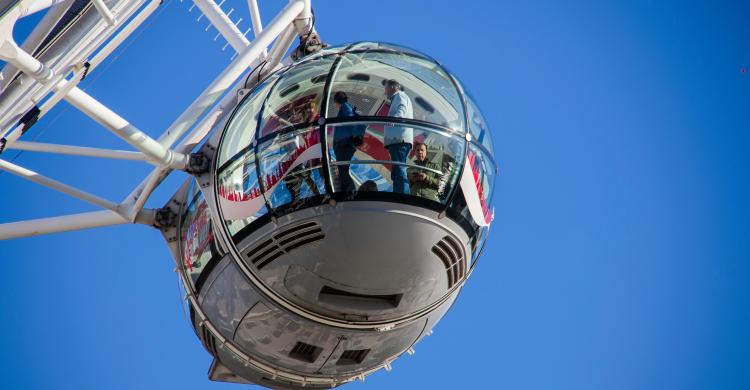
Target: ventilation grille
(449, 252)
(305, 352)
(352, 356)
(348, 299)
(283, 242)
(209, 341)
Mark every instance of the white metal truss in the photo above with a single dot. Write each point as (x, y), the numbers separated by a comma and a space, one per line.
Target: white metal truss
(47, 83)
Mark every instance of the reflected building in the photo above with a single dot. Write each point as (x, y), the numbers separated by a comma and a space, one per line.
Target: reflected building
(295, 280)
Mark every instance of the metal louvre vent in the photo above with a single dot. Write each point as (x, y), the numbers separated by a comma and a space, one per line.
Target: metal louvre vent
(209, 341)
(305, 352)
(449, 252)
(337, 297)
(352, 356)
(283, 242)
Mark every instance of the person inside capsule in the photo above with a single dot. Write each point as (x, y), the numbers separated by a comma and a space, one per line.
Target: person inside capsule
(394, 122)
(424, 182)
(307, 113)
(398, 139)
(344, 141)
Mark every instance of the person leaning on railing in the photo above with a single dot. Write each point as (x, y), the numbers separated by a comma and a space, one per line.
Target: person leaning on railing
(398, 139)
(422, 182)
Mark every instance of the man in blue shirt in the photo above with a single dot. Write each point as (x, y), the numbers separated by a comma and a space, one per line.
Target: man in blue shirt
(344, 144)
(398, 139)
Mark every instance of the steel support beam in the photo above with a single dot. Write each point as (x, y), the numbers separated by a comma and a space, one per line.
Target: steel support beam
(252, 6)
(223, 24)
(78, 151)
(232, 72)
(10, 52)
(137, 198)
(104, 11)
(57, 186)
(123, 129)
(25, 93)
(32, 42)
(131, 209)
(67, 223)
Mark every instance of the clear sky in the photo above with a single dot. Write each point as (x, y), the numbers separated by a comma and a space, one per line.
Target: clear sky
(620, 253)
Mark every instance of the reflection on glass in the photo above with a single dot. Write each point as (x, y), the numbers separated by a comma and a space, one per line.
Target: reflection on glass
(483, 170)
(297, 97)
(431, 164)
(363, 77)
(240, 197)
(197, 245)
(241, 130)
(290, 167)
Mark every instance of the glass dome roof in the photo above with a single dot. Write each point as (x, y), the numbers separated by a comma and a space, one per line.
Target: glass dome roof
(360, 118)
(361, 71)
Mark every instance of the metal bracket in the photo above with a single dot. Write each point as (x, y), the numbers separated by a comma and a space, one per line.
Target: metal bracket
(165, 218)
(241, 94)
(27, 120)
(308, 44)
(198, 163)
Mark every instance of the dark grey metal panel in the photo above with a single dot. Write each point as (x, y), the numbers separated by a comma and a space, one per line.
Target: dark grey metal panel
(270, 334)
(213, 276)
(382, 346)
(228, 299)
(370, 249)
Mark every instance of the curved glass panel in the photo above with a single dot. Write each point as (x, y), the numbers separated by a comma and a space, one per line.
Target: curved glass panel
(279, 167)
(478, 127)
(477, 244)
(459, 211)
(428, 93)
(290, 167)
(478, 192)
(483, 170)
(240, 197)
(387, 47)
(296, 98)
(241, 129)
(197, 246)
(327, 51)
(361, 162)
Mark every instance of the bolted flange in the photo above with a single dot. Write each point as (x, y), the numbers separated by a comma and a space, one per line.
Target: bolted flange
(308, 44)
(165, 217)
(198, 163)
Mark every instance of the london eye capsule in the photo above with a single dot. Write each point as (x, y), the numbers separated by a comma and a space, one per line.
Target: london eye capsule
(347, 201)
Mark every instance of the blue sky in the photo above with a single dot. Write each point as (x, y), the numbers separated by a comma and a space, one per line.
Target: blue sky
(620, 252)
